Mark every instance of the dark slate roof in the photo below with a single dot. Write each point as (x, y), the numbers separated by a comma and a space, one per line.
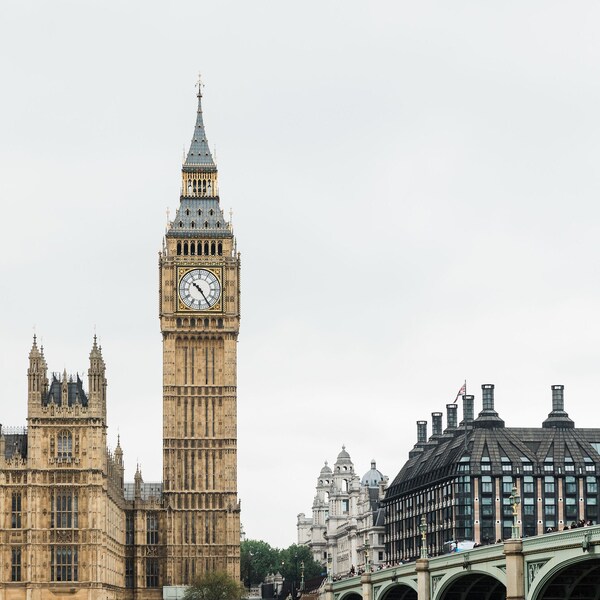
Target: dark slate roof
(194, 218)
(148, 491)
(15, 444)
(75, 392)
(439, 458)
(199, 153)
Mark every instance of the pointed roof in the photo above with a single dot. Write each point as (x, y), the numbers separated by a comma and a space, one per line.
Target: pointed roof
(199, 153)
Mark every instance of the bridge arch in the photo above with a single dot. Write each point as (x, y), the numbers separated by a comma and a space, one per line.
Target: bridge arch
(350, 596)
(578, 577)
(398, 591)
(471, 585)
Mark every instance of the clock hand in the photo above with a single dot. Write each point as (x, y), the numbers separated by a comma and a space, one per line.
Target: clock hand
(200, 290)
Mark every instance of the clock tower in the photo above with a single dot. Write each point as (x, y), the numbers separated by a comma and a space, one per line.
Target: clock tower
(199, 320)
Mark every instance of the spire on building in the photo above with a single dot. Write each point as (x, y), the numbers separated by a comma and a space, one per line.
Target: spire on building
(199, 152)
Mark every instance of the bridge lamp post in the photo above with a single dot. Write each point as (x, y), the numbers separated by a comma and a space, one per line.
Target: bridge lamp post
(515, 500)
(329, 568)
(423, 530)
(367, 563)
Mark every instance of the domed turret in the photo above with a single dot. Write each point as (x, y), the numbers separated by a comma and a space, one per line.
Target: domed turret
(373, 477)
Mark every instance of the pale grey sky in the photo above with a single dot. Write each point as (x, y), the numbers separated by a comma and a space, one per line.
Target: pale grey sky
(415, 191)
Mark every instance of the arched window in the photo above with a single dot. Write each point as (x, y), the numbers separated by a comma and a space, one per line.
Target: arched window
(192, 322)
(206, 248)
(185, 248)
(199, 211)
(178, 321)
(64, 445)
(219, 248)
(192, 248)
(187, 212)
(212, 248)
(193, 224)
(180, 223)
(205, 224)
(211, 212)
(194, 186)
(218, 224)
(178, 248)
(205, 322)
(220, 323)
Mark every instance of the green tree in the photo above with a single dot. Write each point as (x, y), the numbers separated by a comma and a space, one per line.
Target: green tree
(291, 560)
(257, 560)
(214, 586)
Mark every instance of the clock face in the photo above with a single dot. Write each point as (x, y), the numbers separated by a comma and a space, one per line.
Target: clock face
(199, 289)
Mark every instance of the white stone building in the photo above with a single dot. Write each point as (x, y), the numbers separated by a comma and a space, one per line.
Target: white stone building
(346, 529)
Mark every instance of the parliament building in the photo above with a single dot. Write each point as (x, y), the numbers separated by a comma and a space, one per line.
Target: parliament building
(70, 526)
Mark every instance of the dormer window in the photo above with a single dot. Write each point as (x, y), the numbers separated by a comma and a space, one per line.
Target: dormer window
(199, 211)
(193, 224)
(205, 224)
(211, 212)
(218, 224)
(187, 212)
(180, 223)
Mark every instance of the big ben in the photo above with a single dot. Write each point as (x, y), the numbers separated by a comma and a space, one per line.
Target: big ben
(199, 320)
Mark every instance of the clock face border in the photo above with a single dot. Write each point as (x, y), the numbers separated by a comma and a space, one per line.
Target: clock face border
(182, 307)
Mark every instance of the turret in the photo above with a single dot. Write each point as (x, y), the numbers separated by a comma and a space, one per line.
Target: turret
(97, 380)
(37, 377)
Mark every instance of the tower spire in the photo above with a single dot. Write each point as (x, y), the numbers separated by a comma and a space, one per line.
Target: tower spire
(199, 153)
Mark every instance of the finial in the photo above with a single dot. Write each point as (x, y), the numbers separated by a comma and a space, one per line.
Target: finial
(34, 340)
(215, 149)
(199, 85)
(168, 215)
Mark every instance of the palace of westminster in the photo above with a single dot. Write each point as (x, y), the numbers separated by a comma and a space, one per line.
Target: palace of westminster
(71, 527)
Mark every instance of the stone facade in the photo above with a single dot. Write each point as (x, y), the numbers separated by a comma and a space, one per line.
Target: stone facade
(346, 529)
(69, 524)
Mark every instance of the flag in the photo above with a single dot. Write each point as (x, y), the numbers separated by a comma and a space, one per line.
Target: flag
(461, 392)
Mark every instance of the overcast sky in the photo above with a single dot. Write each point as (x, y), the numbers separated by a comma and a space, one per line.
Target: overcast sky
(415, 195)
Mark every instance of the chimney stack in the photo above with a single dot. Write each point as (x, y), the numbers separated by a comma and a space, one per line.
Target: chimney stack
(421, 432)
(451, 415)
(468, 408)
(558, 398)
(487, 391)
(436, 424)
(558, 418)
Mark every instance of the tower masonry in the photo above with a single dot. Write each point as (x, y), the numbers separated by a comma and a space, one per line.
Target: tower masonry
(199, 320)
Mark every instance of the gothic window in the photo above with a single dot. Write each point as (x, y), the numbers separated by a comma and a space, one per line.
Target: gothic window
(192, 246)
(65, 444)
(218, 224)
(63, 563)
(212, 248)
(211, 212)
(178, 321)
(16, 510)
(129, 529)
(199, 211)
(151, 528)
(205, 224)
(220, 249)
(192, 322)
(187, 212)
(206, 243)
(65, 509)
(180, 223)
(185, 248)
(152, 572)
(219, 323)
(193, 224)
(15, 571)
(178, 248)
(129, 572)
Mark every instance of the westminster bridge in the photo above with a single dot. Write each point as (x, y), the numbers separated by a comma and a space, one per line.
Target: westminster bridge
(555, 566)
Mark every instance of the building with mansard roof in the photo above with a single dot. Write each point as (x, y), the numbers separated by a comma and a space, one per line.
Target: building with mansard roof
(69, 524)
(460, 479)
(346, 528)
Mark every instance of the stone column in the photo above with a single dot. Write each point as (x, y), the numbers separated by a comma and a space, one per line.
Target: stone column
(367, 588)
(328, 595)
(515, 570)
(423, 583)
